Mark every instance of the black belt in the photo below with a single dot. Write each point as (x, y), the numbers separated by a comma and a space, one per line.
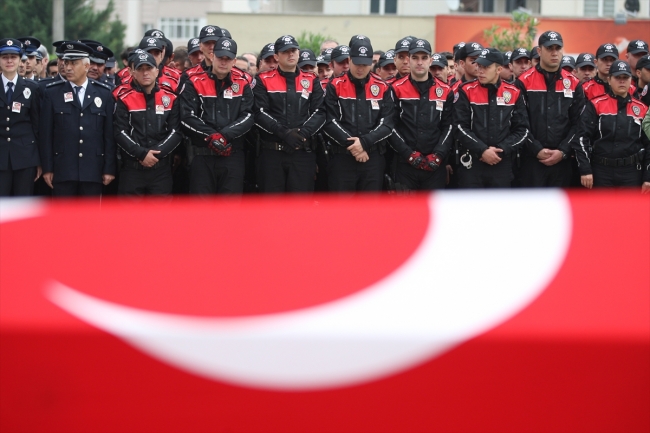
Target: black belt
(136, 164)
(274, 145)
(619, 162)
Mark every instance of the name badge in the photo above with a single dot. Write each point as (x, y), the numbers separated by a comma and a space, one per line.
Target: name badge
(68, 97)
(227, 94)
(15, 107)
(439, 105)
(375, 104)
(501, 101)
(160, 109)
(305, 94)
(568, 93)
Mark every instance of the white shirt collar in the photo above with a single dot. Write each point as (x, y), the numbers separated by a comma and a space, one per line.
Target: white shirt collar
(5, 80)
(84, 85)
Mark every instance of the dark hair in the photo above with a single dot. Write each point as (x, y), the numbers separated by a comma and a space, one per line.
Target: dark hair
(126, 52)
(180, 54)
(448, 55)
(380, 52)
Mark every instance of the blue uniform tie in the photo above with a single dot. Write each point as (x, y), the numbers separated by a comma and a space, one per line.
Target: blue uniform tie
(10, 91)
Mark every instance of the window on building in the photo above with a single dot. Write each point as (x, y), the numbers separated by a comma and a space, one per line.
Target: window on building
(181, 28)
(382, 7)
(599, 8)
(498, 6)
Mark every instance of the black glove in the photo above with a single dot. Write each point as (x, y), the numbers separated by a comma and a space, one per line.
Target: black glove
(295, 139)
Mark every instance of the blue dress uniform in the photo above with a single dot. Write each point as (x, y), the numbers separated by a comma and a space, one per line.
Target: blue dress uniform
(77, 143)
(19, 117)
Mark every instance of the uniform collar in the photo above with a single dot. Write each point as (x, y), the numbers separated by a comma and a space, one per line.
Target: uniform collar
(5, 80)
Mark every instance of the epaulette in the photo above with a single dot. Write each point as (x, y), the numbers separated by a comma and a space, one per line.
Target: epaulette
(56, 83)
(106, 86)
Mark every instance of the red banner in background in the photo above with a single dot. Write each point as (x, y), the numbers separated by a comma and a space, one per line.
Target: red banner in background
(579, 35)
(467, 311)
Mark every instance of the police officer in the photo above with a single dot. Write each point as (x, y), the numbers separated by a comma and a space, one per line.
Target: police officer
(635, 50)
(554, 100)
(216, 112)
(402, 58)
(605, 56)
(307, 61)
(422, 136)
(289, 112)
(167, 76)
(506, 73)
(386, 68)
(340, 60)
(520, 61)
(492, 123)
(585, 67)
(77, 148)
(194, 51)
(611, 125)
(19, 118)
(30, 51)
(98, 61)
(466, 58)
(643, 79)
(147, 128)
(360, 112)
(58, 51)
(568, 64)
(267, 61)
(324, 69)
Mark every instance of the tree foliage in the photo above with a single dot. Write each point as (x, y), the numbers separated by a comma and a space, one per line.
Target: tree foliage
(521, 33)
(312, 41)
(34, 18)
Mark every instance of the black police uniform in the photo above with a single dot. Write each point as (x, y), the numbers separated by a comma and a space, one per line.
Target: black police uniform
(19, 133)
(145, 122)
(491, 115)
(289, 112)
(422, 136)
(362, 108)
(76, 142)
(217, 110)
(554, 101)
(610, 144)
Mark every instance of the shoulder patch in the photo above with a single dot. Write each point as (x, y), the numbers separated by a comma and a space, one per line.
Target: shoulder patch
(105, 86)
(55, 83)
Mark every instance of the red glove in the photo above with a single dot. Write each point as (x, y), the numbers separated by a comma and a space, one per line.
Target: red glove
(419, 161)
(433, 162)
(219, 144)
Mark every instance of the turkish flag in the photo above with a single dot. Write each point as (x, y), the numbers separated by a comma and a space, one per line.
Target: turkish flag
(525, 311)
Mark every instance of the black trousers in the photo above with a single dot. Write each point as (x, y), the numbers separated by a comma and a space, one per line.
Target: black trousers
(17, 182)
(483, 175)
(345, 174)
(279, 171)
(77, 189)
(212, 174)
(626, 176)
(421, 180)
(535, 174)
(140, 182)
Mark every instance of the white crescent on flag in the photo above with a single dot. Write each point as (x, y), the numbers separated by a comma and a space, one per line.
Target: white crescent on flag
(484, 257)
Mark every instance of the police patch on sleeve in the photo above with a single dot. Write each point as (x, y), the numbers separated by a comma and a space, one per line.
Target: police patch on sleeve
(439, 92)
(374, 89)
(166, 101)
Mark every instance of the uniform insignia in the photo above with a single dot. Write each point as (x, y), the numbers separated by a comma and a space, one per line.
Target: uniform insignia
(304, 83)
(27, 93)
(70, 46)
(235, 88)
(27, 43)
(636, 110)
(10, 43)
(645, 90)
(166, 101)
(374, 89)
(157, 34)
(363, 50)
(622, 66)
(507, 96)
(98, 102)
(567, 83)
(439, 92)
(405, 43)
